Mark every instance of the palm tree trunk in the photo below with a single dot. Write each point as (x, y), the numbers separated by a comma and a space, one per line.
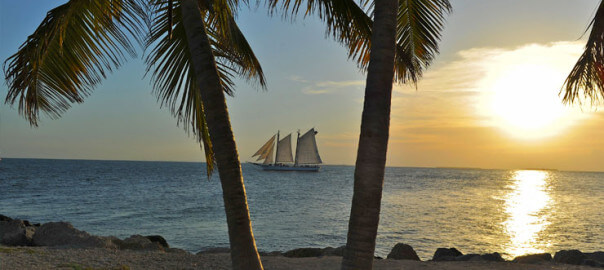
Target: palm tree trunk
(373, 141)
(244, 254)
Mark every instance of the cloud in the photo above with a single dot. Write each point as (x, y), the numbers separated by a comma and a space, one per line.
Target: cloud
(451, 117)
(457, 93)
(297, 78)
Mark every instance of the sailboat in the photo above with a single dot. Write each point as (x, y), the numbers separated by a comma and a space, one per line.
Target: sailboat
(307, 154)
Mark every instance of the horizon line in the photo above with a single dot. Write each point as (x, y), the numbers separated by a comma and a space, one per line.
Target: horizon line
(349, 165)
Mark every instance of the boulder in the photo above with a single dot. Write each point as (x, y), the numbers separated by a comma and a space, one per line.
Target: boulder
(593, 263)
(304, 252)
(533, 258)
(138, 242)
(446, 254)
(270, 253)
(597, 256)
(215, 250)
(14, 232)
(329, 251)
(176, 250)
(64, 234)
(403, 251)
(468, 257)
(491, 257)
(158, 239)
(569, 257)
(5, 218)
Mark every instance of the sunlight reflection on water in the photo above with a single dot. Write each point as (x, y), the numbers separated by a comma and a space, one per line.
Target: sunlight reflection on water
(528, 206)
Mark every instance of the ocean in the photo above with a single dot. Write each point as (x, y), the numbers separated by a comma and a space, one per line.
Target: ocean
(512, 212)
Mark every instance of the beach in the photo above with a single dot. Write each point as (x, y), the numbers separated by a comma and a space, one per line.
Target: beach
(100, 258)
(58, 245)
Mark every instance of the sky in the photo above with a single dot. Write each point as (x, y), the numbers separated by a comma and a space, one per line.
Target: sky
(489, 100)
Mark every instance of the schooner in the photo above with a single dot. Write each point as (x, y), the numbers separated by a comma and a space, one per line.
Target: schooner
(307, 154)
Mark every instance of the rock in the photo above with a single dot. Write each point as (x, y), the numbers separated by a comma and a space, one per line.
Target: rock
(177, 250)
(311, 252)
(492, 257)
(139, 242)
(64, 234)
(215, 250)
(446, 254)
(468, 257)
(569, 257)
(329, 251)
(270, 253)
(533, 258)
(158, 239)
(597, 256)
(593, 263)
(304, 252)
(14, 232)
(403, 251)
(5, 218)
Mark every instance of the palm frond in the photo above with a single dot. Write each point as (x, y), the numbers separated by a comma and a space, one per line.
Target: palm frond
(169, 63)
(586, 80)
(172, 76)
(346, 22)
(70, 52)
(420, 23)
(231, 49)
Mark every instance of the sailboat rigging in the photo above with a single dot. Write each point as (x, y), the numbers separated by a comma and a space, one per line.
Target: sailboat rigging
(306, 159)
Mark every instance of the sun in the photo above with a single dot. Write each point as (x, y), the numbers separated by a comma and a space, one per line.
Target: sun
(524, 101)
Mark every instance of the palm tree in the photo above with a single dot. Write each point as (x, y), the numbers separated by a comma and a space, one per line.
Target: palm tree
(397, 45)
(586, 80)
(244, 253)
(80, 41)
(393, 22)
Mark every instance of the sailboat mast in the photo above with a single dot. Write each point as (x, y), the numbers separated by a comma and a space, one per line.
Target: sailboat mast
(276, 152)
(297, 148)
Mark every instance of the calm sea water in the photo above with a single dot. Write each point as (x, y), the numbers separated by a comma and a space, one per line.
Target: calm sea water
(476, 211)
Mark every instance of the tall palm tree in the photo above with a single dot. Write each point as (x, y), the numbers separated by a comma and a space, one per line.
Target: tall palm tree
(373, 141)
(586, 80)
(244, 253)
(416, 25)
(80, 41)
(398, 45)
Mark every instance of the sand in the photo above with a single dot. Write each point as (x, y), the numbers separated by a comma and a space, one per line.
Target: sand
(98, 258)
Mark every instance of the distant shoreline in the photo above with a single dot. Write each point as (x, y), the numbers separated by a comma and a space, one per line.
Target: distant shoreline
(344, 165)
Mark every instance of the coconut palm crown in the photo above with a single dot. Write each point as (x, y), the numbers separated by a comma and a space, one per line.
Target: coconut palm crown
(398, 45)
(586, 80)
(419, 27)
(80, 42)
(195, 49)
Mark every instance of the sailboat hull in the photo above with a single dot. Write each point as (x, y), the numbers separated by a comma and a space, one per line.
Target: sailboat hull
(271, 167)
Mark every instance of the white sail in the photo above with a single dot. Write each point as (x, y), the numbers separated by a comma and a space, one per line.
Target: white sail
(284, 150)
(266, 151)
(268, 155)
(307, 152)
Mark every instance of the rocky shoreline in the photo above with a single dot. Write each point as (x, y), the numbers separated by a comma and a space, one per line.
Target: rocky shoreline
(26, 242)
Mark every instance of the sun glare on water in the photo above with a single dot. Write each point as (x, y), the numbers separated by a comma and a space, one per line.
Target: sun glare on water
(524, 101)
(527, 206)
